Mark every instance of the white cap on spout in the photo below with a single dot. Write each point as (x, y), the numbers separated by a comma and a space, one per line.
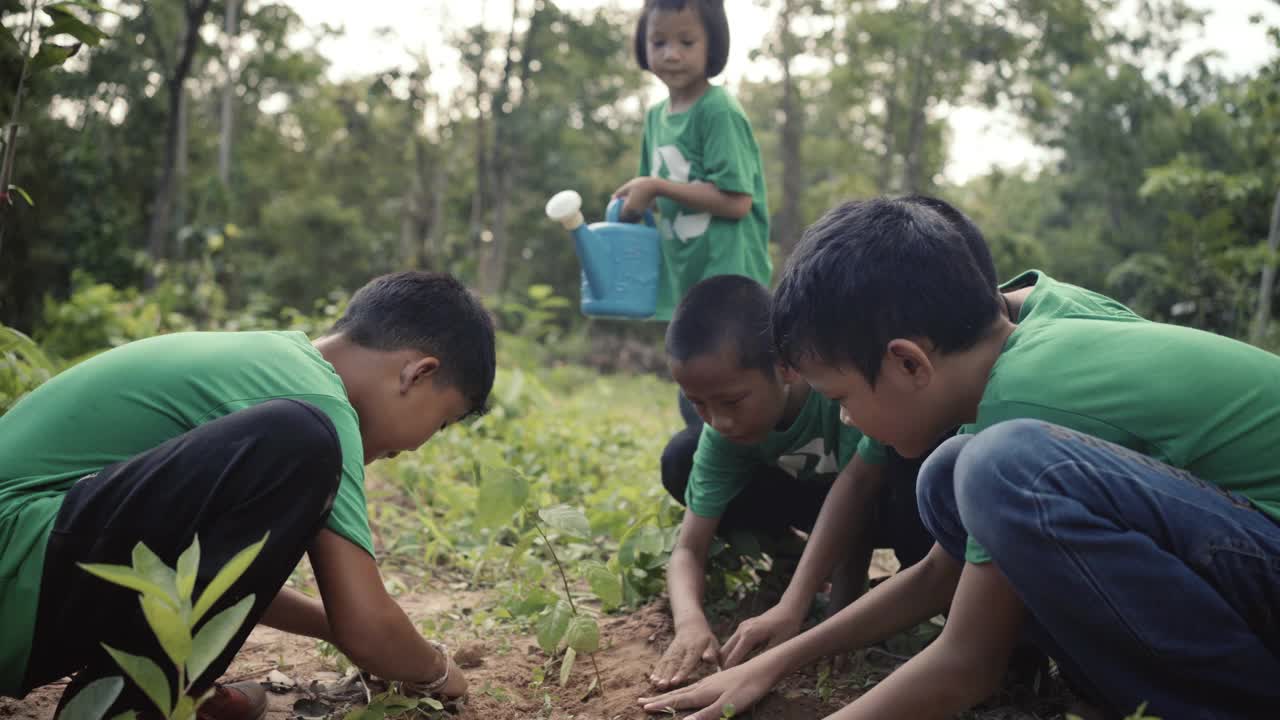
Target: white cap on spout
(565, 207)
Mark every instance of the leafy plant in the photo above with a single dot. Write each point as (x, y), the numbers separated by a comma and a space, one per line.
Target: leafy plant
(40, 51)
(390, 704)
(174, 614)
(25, 365)
(580, 633)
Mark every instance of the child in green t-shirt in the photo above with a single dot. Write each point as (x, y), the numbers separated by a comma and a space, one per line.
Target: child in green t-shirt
(772, 456)
(698, 160)
(229, 437)
(1114, 494)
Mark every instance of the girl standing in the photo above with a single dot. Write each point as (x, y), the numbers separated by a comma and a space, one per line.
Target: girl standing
(699, 160)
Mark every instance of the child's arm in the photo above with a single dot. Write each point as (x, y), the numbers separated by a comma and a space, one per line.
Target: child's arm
(298, 614)
(844, 513)
(367, 625)
(702, 196)
(904, 600)
(963, 666)
(686, 582)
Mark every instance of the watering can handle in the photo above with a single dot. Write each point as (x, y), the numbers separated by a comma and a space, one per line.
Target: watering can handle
(613, 213)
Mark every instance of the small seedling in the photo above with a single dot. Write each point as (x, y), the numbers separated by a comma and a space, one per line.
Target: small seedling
(166, 597)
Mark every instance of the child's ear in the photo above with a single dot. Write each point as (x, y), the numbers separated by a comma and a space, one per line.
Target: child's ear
(907, 363)
(417, 371)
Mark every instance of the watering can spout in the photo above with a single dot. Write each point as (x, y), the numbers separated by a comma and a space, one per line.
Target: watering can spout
(565, 207)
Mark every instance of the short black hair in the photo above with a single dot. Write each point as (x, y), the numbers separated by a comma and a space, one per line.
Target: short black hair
(720, 309)
(431, 313)
(714, 22)
(870, 271)
(969, 232)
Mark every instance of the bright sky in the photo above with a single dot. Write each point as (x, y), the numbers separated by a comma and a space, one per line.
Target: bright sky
(981, 139)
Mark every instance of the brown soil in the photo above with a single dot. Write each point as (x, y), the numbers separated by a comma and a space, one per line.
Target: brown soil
(502, 665)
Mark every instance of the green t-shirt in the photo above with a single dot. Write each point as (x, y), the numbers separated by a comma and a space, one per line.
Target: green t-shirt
(129, 400)
(816, 446)
(710, 142)
(1200, 402)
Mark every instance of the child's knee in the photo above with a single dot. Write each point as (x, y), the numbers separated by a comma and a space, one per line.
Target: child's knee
(935, 483)
(299, 429)
(995, 470)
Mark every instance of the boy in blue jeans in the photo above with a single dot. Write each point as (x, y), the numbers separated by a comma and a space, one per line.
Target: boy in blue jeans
(1114, 494)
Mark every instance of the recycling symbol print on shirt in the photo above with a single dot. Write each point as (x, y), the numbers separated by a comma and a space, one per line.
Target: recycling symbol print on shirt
(809, 460)
(686, 226)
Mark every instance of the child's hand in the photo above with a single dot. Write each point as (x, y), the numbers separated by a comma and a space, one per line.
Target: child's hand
(639, 194)
(690, 646)
(773, 627)
(740, 687)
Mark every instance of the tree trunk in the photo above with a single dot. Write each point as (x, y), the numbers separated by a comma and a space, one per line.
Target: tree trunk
(432, 244)
(922, 90)
(884, 181)
(1262, 321)
(162, 207)
(789, 221)
(180, 162)
(228, 95)
(493, 257)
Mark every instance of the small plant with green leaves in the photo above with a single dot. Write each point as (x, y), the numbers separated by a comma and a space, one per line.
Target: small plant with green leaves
(175, 614)
(44, 46)
(23, 367)
(560, 622)
(392, 704)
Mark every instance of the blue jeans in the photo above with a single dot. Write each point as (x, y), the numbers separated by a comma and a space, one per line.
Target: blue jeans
(1145, 583)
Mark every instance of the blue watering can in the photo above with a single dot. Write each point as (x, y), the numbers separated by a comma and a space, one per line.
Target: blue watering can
(619, 260)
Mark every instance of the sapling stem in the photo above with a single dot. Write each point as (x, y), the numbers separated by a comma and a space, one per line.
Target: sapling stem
(11, 130)
(564, 578)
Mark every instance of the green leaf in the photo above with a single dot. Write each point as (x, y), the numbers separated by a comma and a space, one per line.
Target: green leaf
(23, 193)
(566, 665)
(52, 55)
(213, 637)
(566, 519)
(124, 576)
(604, 583)
(584, 634)
(91, 6)
(553, 625)
(146, 675)
(185, 710)
(127, 715)
(150, 566)
(225, 578)
(535, 600)
(169, 627)
(92, 702)
(64, 23)
(188, 566)
(396, 703)
(432, 703)
(502, 493)
(639, 541)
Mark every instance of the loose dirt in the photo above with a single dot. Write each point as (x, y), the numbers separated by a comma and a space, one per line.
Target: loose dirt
(511, 678)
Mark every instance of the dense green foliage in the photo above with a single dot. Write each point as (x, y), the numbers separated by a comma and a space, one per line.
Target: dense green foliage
(1158, 188)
